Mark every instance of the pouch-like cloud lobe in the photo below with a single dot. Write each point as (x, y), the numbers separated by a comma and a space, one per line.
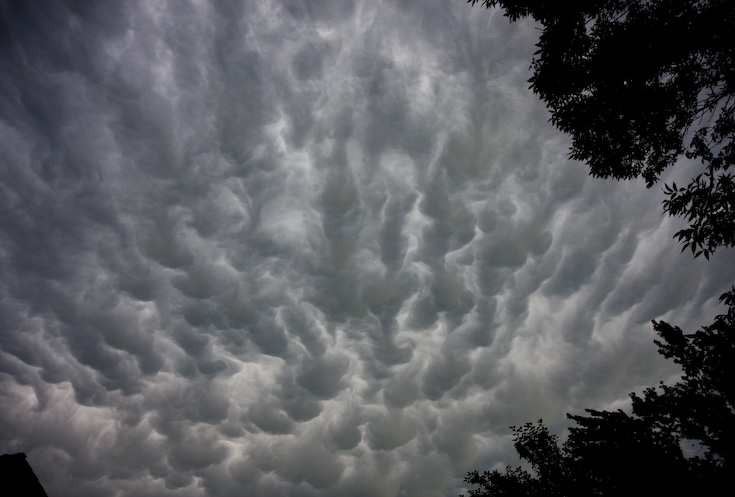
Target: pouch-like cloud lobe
(305, 248)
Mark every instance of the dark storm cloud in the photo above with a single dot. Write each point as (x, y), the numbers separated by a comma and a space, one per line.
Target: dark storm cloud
(304, 248)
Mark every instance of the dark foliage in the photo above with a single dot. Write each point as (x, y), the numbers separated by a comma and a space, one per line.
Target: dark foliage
(637, 85)
(679, 439)
(701, 407)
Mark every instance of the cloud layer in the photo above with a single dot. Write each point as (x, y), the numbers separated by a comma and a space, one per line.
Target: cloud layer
(305, 248)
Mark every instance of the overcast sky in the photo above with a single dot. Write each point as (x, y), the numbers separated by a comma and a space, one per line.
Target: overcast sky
(306, 248)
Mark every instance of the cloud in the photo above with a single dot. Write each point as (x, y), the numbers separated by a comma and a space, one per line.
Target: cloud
(305, 248)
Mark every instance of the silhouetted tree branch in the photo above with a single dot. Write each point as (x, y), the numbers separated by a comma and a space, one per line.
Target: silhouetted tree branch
(642, 453)
(638, 85)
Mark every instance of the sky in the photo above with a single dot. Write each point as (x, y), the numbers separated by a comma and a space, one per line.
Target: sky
(307, 248)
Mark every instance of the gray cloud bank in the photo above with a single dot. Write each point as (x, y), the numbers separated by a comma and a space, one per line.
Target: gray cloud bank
(305, 248)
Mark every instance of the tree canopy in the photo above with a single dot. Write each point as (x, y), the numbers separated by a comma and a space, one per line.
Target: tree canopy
(678, 440)
(638, 85)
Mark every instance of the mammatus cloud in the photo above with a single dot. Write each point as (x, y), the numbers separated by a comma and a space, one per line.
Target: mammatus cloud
(305, 248)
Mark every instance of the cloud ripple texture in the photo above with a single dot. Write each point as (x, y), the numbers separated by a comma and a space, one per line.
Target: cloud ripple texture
(305, 248)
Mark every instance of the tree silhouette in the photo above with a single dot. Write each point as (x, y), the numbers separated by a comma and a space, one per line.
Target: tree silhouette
(643, 453)
(639, 84)
(701, 407)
